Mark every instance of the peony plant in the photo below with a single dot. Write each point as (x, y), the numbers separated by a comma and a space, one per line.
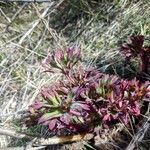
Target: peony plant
(85, 98)
(134, 48)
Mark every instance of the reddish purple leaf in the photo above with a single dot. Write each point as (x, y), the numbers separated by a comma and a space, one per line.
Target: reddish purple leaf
(52, 124)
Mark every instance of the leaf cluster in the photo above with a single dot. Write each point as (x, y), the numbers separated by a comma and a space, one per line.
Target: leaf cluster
(85, 98)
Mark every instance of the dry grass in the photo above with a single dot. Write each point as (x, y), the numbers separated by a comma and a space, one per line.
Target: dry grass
(28, 31)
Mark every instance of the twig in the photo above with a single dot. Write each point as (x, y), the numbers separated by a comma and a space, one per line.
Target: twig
(27, 0)
(46, 25)
(15, 15)
(49, 141)
(16, 115)
(40, 40)
(51, 31)
(4, 26)
(14, 134)
(139, 136)
(40, 18)
(23, 148)
(13, 148)
(34, 25)
(64, 139)
(7, 18)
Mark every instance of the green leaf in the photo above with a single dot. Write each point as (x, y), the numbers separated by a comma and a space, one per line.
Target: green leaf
(69, 97)
(99, 90)
(55, 101)
(49, 116)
